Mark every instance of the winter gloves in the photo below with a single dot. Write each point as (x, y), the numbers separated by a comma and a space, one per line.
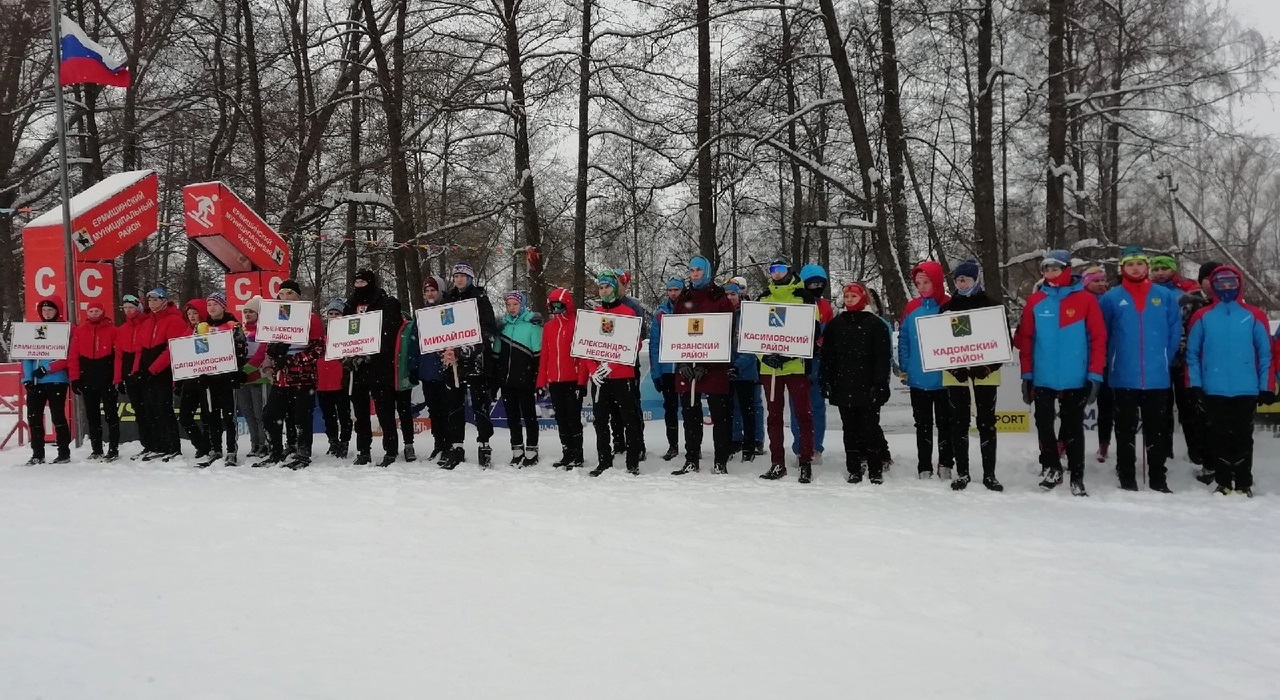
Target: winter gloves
(775, 361)
(1028, 392)
(1267, 398)
(1095, 386)
(77, 385)
(691, 372)
(961, 374)
(39, 372)
(880, 395)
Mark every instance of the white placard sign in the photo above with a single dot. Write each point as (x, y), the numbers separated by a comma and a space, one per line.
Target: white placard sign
(284, 322)
(768, 328)
(696, 338)
(963, 339)
(201, 355)
(444, 326)
(350, 336)
(40, 341)
(606, 337)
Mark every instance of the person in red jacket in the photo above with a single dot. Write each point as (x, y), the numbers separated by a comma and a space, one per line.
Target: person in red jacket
(703, 296)
(128, 344)
(332, 393)
(561, 375)
(612, 385)
(153, 371)
(94, 367)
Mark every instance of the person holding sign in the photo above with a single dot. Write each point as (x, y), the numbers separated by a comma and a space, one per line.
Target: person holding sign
(1144, 331)
(612, 385)
(744, 383)
(815, 292)
(703, 296)
(560, 373)
(293, 389)
(446, 436)
(982, 381)
(93, 363)
(380, 377)
(332, 393)
(251, 396)
(193, 393)
(517, 348)
(473, 363)
(854, 375)
(222, 387)
(929, 399)
(46, 384)
(1062, 345)
(153, 370)
(781, 376)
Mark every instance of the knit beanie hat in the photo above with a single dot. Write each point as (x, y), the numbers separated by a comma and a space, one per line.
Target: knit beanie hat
(1093, 274)
(1164, 261)
(1207, 269)
(254, 304)
(291, 284)
(218, 298)
(335, 304)
(1133, 252)
(968, 268)
(1056, 257)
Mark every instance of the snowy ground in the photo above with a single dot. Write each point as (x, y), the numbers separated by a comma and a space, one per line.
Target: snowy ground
(133, 581)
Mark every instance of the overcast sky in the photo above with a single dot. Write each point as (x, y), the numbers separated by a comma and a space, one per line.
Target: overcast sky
(1261, 112)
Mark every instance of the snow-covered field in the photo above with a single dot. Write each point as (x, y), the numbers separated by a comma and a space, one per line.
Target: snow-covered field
(148, 581)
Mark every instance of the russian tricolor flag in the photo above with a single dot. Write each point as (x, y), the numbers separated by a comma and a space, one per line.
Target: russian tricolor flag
(85, 61)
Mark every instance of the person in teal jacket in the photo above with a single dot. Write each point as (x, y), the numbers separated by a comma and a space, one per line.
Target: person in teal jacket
(518, 347)
(46, 382)
(929, 399)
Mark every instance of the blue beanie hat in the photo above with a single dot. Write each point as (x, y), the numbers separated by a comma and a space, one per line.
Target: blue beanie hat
(732, 287)
(159, 293)
(336, 304)
(812, 272)
(1060, 257)
(675, 283)
(968, 268)
(703, 264)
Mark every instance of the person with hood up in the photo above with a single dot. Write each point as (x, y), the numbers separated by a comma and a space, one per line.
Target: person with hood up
(561, 374)
(251, 396)
(703, 296)
(474, 364)
(1229, 364)
(293, 389)
(782, 376)
(332, 392)
(1144, 330)
(153, 371)
(744, 391)
(517, 349)
(815, 292)
(93, 364)
(612, 384)
(193, 394)
(1095, 281)
(1190, 412)
(46, 382)
(444, 433)
(981, 381)
(222, 387)
(379, 377)
(128, 343)
(930, 400)
(856, 357)
(1062, 347)
(664, 374)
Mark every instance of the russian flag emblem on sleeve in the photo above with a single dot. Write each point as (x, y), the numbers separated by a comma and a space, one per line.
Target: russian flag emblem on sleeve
(85, 61)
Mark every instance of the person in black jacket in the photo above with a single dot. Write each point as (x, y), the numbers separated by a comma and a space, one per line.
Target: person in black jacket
(474, 363)
(375, 376)
(983, 380)
(854, 374)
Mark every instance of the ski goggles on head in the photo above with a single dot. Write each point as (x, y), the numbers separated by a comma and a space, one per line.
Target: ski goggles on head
(557, 307)
(778, 269)
(1052, 265)
(1226, 282)
(129, 299)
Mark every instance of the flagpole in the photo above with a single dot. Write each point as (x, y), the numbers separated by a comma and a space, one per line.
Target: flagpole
(55, 15)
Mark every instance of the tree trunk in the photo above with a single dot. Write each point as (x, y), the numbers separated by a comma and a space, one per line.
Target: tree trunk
(793, 104)
(706, 193)
(256, 124)
(891, 272)
(1057, 147)
(893, 133)
(584, 144)
(524, 169)
(985, 235)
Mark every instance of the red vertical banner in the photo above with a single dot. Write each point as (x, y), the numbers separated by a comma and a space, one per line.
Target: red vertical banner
(44, 253)
(243, 286)
(95, 282)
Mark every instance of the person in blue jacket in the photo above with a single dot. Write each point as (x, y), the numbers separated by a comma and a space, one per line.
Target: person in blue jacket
(929, 400)
(1229, 365)
(46, 382)
(663, 374)
(444, 435)
(1144, 331)
(744, 383)
(815, 292)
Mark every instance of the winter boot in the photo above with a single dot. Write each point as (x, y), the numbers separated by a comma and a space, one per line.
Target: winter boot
(671, 453)
(410, 454)
(575, 462)
(34, 461)
(1077, 487)
(633, 469)
(231, 459)
(750, 452)
(436, 451)
(1052, 479)
(443, 455)
(387, 460)
(925, 474)
(486, 455)
(991, 483)
(961, 483)
(944, 473)
(720, 468)
(1160, 486)
(1206, 476)
(690, 466)
(455, 457)
(96, 455)
(363, 458)
(530, 457)
(855, 477)
(64, 457)
(112, 455)
(270, 460)
(298, 462)
(210, 458)
(601, 468)
(340, 451)
(806, 472)
(517, 456)
(776, 471)
(1102, 452)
